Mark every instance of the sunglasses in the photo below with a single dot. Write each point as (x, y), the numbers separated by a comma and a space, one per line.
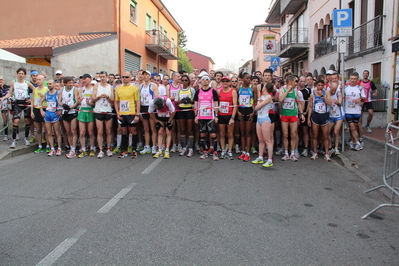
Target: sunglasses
(126, 77)
(205, 79)
(157, 80)
(225, 80)
(184, 80)
(234, 81)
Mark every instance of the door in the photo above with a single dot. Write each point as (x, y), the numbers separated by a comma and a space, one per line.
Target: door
(132, 61)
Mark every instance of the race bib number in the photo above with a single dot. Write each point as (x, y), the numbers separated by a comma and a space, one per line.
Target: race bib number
(173, 93)
(205, 110)
(244, 99)
(37, 101)
(20, 95)
(320, 108)
(103, 102)
(145, 99)
(351, 103)
(163, 114)
(124, 106)
(289, 103)
(275, 107)
(224, 107)
(51, 106)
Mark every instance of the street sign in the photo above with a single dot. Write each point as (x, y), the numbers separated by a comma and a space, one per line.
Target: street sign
(342, 22)
(275, 61)
(342, 45)
(274, 68)
(266, 58)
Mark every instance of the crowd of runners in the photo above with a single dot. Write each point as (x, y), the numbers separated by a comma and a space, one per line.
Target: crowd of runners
(210, 114)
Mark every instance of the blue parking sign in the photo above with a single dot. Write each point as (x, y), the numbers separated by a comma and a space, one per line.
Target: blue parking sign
(342, 22)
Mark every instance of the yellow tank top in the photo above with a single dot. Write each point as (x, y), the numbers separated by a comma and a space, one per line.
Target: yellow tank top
(37, 97)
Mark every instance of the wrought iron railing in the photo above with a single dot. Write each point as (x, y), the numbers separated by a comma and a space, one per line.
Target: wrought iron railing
(325, 47)
(159, 38)
(367, 36)
(294, 36)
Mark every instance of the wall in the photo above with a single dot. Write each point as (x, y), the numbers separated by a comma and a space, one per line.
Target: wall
(99, 57)
(56, 17)
(258, 54)
(199, 61)
(8, 69)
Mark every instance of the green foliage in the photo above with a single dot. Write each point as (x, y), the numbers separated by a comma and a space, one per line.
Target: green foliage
(182, 39)
(184, 61)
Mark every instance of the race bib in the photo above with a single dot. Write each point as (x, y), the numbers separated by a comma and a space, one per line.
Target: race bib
(37, 101)
(205, 110)
(289, 103)
(51, 106)
(224, 107)
(244, 99)
(163, 114)
(351, 103)
(124, 106)
(173, 93)
(320, 108)
(145, 99)
(20, 95)
(103, 102)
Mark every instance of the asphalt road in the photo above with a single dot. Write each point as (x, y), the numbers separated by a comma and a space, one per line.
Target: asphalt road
(187, 211)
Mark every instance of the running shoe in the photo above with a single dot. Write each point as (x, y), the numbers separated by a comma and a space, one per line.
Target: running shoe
(179, 148)
(218, 147)
(129, 149)
(13, 144)
(237, 149)
(82, 154)
(285, 157)
(242, 156)
(330, 152)
(314, 156)
(223, 154)
(100, 154)
(352, 146)
(246, 158)
(31, 139)
(197, 148)
(146, 150)
(123, 154)
(71, 155)
(280, 151)
(368, 129)
(5, 138)
(48, 149)
(58, 153)
(361, 144)
(230, 155)
(253, 150)
(134, 154)
(190, 153)
(140, 146)
(358, 147)
(65, 149)
(258, 160)
(51, 153)
(27, 143)
(116, 150)
(215, 156)
(267, 164)
(154, 150)
(327, 158)
(92, 153)
(39, 150)
(166, 155)
(336, 151)
(204, 155)
(109, 153)
(293, 157)
(183, 152)
(44, 140)
(304, 153)
(296, 152)
(157, 154)
(173, 150)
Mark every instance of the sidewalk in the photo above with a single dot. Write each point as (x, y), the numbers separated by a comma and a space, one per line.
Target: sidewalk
(6, 152)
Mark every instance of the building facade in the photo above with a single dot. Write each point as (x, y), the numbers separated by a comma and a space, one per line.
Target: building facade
(144, 34)
(200, 61)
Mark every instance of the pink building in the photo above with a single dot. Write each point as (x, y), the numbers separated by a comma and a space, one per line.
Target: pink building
(200, 61)
(263, 40)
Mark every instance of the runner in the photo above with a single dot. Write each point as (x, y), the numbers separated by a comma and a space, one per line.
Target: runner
(127, 106)
(227, 113)
(369, 87)
(51, 115)
(164, 122)
(5, 106)
(305, 85)
(217, 84)
(103, 97)
(336, 114)
(68, 99)
(35, 113)
(185, 117)
(256, 88)
(174, 88)
(206, 116)
(19, 92)
(318, 117)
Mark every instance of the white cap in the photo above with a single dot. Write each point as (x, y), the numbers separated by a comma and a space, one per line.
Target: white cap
(58, 72)
(93, 82)
(203, 73)
(330, 72)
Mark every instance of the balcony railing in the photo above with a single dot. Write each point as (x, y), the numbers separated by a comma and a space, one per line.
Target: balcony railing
(294, 36)
(325, 47)
(157, 42)
(367, 37)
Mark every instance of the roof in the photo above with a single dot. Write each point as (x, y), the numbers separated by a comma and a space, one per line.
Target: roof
(210, 59)
(5, 55)
(50, 41)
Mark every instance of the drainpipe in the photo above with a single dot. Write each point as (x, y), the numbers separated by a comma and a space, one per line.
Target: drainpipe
(159, 37)
(119, 39)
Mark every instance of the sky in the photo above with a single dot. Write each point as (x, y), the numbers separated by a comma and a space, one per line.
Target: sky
(219, 29)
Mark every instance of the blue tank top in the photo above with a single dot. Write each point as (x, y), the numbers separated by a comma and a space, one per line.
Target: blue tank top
(52, 101)
(245, 97)
(319, 105)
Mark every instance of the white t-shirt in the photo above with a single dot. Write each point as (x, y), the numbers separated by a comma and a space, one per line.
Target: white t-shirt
(351, 94)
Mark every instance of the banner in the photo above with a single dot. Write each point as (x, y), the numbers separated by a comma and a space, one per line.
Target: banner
(269, 44)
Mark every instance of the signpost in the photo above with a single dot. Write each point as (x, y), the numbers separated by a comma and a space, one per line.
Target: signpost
(274, 63)
(342, 27)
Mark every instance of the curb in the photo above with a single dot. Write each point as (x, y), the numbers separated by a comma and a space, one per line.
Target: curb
(10, 153)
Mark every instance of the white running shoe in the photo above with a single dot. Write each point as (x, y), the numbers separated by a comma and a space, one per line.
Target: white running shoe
(305, 153)
(5, 138)
(368, 129)
(100, 154)
(190, 153)
(27, 143)
(173, 148)
(336, 152)
(183, 152)
(13, 144)
(146, 150)
(179, 148)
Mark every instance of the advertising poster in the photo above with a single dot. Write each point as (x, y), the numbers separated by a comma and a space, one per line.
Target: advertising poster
(269, 44)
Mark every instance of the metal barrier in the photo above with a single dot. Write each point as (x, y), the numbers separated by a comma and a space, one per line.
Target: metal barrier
(391, 167)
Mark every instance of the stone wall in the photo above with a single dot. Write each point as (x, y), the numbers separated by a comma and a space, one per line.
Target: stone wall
(8, 70)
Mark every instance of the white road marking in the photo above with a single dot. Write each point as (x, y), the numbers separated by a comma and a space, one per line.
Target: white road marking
(54, 255)
(115, 199)
(152, 166)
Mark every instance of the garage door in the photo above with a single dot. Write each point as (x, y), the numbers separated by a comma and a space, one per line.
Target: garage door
(132, 61)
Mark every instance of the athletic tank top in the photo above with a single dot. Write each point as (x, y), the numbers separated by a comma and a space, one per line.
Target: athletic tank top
(165, 111)
(52, 101)
(319, 105)
(68, 97)
(21, 90)
(245, 97)
(264, 111)
(103, 104)
(335, 110)
(173, 90)
(289, 107)
(37, 97)
(226, 102)
(367, 90)
(205, 104)
(86, 97)
(146, 94)
(185, 93)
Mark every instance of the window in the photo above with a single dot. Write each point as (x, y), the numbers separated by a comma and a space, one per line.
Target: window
(154, 24)
(148, 22)
(148, 67)
(133, 11)
(160, 29)
(165, 33)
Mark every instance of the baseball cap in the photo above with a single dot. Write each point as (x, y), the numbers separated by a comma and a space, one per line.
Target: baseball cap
(1, 77)
(330, 72)
(58, 72)
(226, 77)
(154, 74)
(146, 72)
(86, 76)
(93, 82)
(34, 72)
(203, 73)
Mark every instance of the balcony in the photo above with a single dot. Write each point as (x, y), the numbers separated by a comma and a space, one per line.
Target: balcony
(325, 47)
(367, 38)
(293, 42)
(157, 42)
(291, 6)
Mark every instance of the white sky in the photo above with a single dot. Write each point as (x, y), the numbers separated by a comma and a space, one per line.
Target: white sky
(220, 29)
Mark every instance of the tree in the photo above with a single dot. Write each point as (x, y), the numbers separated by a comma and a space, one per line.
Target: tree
(233, 66)
(182, 39)
(184, 61)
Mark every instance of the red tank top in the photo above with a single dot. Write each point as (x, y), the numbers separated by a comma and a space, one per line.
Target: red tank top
(226, 102)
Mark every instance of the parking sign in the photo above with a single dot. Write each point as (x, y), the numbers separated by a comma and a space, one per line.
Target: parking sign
(342, 22)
